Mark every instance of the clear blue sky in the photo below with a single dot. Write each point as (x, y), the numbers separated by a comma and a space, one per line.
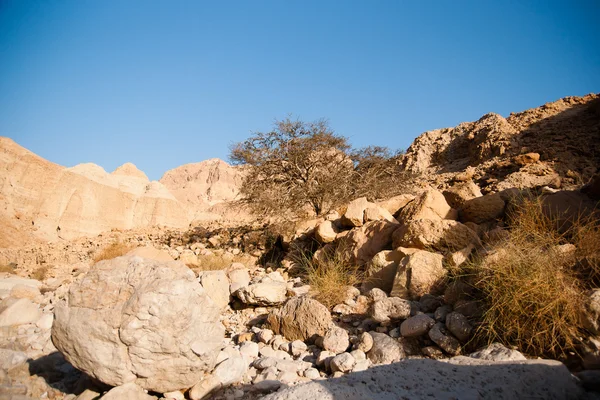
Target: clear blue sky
(163, 83)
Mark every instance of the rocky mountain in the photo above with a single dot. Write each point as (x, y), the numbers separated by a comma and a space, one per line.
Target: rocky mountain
(43, 200)
(557, 144)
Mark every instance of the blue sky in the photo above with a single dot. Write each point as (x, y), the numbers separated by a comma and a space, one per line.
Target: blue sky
(164, 83)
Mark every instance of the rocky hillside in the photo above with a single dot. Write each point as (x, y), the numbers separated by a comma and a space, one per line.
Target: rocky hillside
(557, 145)
(43, 200)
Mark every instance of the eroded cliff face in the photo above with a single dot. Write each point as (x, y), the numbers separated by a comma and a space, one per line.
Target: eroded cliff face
(50, 201)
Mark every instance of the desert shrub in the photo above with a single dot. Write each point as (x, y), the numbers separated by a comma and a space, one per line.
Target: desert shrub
(7, 268)
(301, 167)
(327, 274)
(40, 273)
(115, 249)
(530, 285)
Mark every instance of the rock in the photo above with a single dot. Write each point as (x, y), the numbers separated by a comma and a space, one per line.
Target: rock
(336, 340)
(440, 336)
(249, 350)
(203, 388)
(459, 326)
(216, 285)
(418, 273)
(231, 370)
(18, 311)
(435, 234)
(431, 204)
(416, 326)
(21, 291)
(129, 391)
(342, 362)
(461, 192)
(189, 258)
(428, 303)
(45, 322)
(376, 294)
(312, 373)
(266, 292)
(238, 278)
(497, 352)
(381, 270)
(151, 253)
(300, 318)
(376, 213)
(361, 244)
(482, 209)
(298, 347)
(365, 342)
(324, 358)
(264, 336)
(458, 258)
(458, 378)
(10, 359)
(148, 316)
(591, 316)
(385, 350)
(176, 395)
(457, 290)
(390, 308)
(354, 215)
(442, 312)
(528, 158)
(326, 232)
(433, 352)
(396, 203)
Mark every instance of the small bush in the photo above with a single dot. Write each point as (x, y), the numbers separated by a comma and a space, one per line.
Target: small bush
(532, 293)
(115, 249)
(329, 275)
(40, 273)
(7, 268)
(215, 262)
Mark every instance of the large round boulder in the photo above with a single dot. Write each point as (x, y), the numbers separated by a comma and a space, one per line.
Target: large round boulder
(138, 320)
(301, 318)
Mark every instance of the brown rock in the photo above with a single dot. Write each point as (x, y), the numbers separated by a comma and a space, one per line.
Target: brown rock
(300, 318)
(461, 192)
(396, 203)
(417, 274)
(482, 209)
(326, 232)
(435, 234)
(355, 213)
(431, 204)
(361, 244)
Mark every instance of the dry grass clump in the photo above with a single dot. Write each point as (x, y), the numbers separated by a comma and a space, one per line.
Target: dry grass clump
(115, 249)
(40, 273)
(215, 262)
(7, 268)
(532, 289)
(328, 275)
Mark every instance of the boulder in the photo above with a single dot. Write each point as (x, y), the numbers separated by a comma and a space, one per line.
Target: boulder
(381, 270)
(361, 244)
(416, 326)
(216, 285)
(300, 318)
(458, 378)
(238, 278)
(435, 234)
(482, 209)
(266, 292)
(440, 336)
(385, 350)
(355, 213)
(396, 203)
(461, 192)
(326, 232)
(375, 213)
(342, 362)
(418, 273)
(459, 326)
(129, 391)
(498, 352)
(18, 311)
(137, 320)
(365, 342)
(390, 308)
(430, 204)
(336, 340)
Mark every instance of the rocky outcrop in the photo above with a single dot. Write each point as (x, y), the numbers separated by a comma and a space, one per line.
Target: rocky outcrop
(136, 320)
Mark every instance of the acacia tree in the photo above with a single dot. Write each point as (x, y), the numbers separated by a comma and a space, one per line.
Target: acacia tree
(297, 164)
(305, 164)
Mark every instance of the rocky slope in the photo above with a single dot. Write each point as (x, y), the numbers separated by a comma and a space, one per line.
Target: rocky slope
(43, 200)
(563, 135)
